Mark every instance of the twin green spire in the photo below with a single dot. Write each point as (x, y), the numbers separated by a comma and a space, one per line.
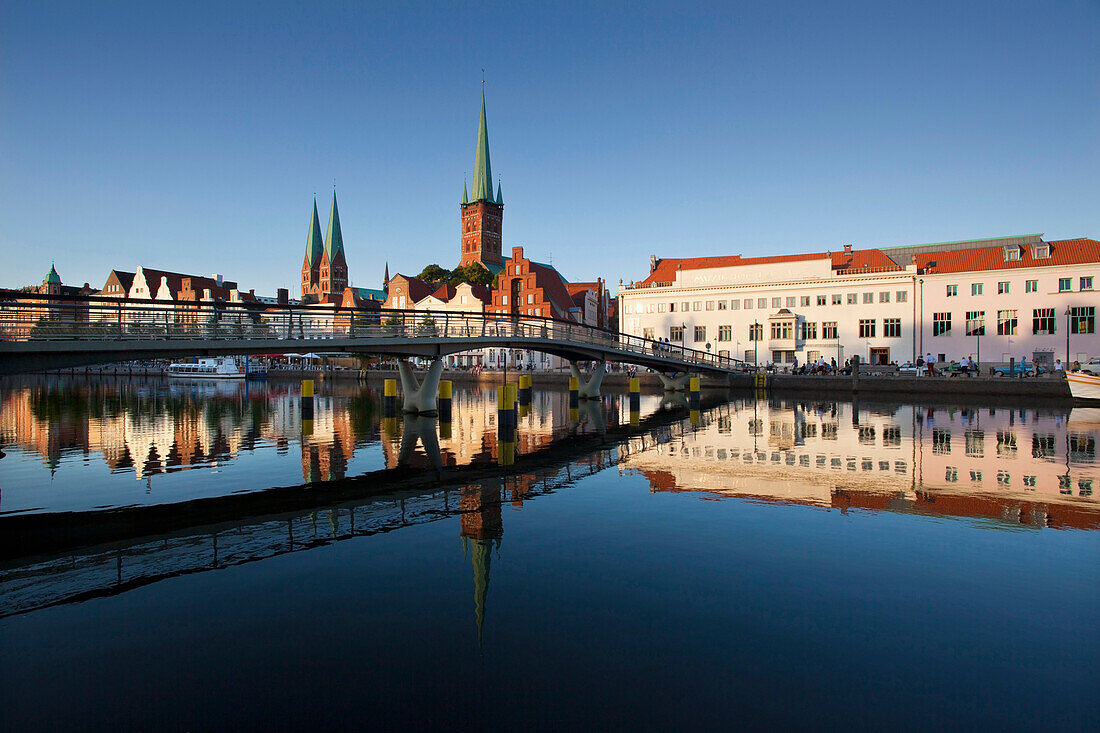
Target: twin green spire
(483, 169)
(332, 244)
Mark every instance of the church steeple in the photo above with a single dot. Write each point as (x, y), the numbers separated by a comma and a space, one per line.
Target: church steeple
(334, 241)
(482, 214)
(483, 169)
(314, 242)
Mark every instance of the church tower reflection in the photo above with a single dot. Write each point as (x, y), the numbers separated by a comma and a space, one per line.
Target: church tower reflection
(482, 531)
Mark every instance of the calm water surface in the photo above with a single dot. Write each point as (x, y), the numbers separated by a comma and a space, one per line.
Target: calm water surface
(766, 563)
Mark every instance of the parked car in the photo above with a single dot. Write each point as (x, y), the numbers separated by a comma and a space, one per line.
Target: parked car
(1031, 370)
(1092, 366)
(908, 368)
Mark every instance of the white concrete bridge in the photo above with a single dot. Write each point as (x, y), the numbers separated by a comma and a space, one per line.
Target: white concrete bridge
(39, 332)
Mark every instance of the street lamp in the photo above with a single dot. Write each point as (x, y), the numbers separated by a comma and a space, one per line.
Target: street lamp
(1069, 314)
(756, 346)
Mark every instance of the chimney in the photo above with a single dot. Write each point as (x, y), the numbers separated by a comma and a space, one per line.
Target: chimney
(848, 250)
(252, 292)
(217, 278)
(282, 295)
(652, 263)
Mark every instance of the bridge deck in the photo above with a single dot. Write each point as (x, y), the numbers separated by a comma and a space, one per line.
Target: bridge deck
(44, 332)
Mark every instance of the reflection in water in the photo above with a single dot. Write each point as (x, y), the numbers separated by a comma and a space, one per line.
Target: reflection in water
(482, 531)
(242, 435)
(1022, 466)
(392, 601)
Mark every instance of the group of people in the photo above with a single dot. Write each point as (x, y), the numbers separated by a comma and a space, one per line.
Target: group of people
(664, 346)
(820, 366)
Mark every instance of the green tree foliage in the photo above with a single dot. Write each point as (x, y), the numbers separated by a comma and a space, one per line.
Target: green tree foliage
(434, 273)
(473, 273)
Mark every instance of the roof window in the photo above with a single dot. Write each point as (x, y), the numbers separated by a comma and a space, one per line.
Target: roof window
(1041, 252)
(1012, 254)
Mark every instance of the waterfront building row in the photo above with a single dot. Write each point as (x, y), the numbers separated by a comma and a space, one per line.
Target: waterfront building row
(990, 300)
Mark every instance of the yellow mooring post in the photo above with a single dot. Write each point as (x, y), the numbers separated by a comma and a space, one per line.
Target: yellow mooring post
(389, 398)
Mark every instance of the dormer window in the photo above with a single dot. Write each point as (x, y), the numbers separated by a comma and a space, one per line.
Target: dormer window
(1042, 252)
(1012, 254)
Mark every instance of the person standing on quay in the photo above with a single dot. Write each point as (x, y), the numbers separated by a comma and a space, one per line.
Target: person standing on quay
(930, 362)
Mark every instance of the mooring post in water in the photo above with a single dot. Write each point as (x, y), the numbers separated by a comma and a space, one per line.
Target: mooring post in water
(511, 398)
(574, 392)
(307, 399)
(443, 403)
(525, 390)
(635, 401)
(855, 372)
(693, 393)
(389, 398)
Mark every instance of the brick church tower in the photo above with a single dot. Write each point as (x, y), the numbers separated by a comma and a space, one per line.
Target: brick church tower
(334, 268)
(482, 213)
(311, 266)
(324, 269)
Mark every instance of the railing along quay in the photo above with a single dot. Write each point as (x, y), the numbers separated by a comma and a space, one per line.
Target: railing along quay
(53, 320)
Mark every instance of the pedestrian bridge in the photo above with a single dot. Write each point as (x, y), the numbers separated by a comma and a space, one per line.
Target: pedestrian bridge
(39, 332)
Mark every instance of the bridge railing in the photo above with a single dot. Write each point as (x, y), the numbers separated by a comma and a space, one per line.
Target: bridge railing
(41, 318)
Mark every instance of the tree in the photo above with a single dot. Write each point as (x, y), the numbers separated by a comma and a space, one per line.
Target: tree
(473, 274)
(434, 273)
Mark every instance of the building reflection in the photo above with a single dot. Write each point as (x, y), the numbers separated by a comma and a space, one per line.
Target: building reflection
(482, 530)
(148, 426)
(1022, 466)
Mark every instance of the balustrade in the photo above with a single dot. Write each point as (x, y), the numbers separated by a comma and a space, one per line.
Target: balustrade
(47, 319)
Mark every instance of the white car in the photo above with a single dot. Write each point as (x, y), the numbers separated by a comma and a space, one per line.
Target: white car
(1092, 366)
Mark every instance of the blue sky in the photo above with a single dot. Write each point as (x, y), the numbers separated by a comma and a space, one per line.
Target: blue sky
(192, 137)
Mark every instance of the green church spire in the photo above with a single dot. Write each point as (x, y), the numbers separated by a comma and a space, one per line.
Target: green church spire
(334, 242)
(483, 171)
(314, 243)
(52, 276)
(500, 198)
(465, 198)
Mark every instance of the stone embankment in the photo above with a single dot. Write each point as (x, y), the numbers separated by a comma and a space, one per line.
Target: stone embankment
(866, 384)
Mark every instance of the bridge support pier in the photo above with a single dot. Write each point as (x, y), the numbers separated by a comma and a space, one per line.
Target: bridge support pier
(588, 388)
(422, 428)
(419, 396)
(674, 382)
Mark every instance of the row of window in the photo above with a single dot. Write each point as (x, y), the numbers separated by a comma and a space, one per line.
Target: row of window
(1004, 287)
(885, 296)
(783, 330)
(1082, 319)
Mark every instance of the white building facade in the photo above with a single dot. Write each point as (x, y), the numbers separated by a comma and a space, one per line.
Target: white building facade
(990, 300)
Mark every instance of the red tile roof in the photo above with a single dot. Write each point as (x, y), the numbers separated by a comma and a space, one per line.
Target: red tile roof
(665, 271)
(1062, 252)
(445, 292)
(553, 286)
(575, 288)
(874, 260)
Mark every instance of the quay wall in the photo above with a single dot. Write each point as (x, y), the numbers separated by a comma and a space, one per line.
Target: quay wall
(1053, 387)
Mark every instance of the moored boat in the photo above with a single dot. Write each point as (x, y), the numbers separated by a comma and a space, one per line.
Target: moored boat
(219, 368)
(1084, 386)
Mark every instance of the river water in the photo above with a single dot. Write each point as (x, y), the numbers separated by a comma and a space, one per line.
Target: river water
(764, 562)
